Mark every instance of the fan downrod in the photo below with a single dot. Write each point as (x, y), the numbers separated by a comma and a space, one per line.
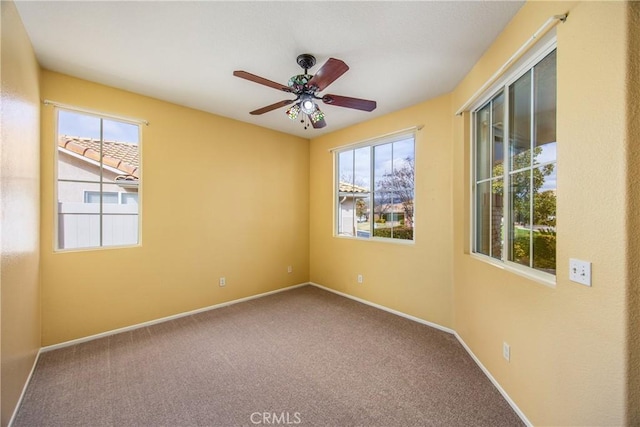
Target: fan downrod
(306, 61)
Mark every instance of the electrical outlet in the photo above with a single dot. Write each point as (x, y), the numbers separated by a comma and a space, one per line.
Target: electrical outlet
(506, 351)
(289, 269)
(360, 279)
(580, 271)
(223, 281)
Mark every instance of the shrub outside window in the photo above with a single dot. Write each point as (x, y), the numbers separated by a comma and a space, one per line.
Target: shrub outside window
(515, 171)
(375, 189)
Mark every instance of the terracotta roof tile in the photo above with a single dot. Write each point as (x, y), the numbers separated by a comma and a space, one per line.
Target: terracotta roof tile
(351, 188)
(123, 156)
(92, 154)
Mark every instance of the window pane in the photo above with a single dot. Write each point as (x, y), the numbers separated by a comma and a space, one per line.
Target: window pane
(483, 218)
(489, 218)
(78, 125)
(78, 144)
(362, 166)
(346, 215)
(398, 218)
(362, 216)
(120, 131)
(96, 155)
(406, 203)
(353, 192)
(78, 222)
(394, 176)
(403, 153)
(523, 231)
(520, 223)
(345, 167)
(497, 212)
(483, 126)
(375, 195)
(383, 167)
(545, 109)
(402, 182)
(383, 212)
(544, 219)
(520, 122)
(498, 135)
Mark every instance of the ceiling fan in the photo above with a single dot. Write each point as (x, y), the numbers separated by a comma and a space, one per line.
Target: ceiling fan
(306, 87)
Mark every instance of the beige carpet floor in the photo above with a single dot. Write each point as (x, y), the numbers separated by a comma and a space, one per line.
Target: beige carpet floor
(302, 357)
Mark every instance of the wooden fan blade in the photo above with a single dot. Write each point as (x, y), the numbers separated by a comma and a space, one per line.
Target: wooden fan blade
(327, 74)
(348, 102)
(319, 124)
(271, 107)
(261, 80)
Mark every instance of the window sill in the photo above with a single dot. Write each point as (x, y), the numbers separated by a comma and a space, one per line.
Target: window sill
(546, 279)
(95, 248)
(377, 239)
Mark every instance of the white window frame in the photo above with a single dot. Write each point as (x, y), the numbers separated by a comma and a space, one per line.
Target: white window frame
(388, 139)
(102, 116)
(544, 47)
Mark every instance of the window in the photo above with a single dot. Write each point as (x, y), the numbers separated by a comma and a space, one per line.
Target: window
(111, 197)
(515, 171)
(375, 189)
(94, 197)
(98, 181)
(129, 198)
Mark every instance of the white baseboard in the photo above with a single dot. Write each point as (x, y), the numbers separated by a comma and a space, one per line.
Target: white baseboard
(164, 319)
(24, 389)
(390, 310)
(495, 382)
(448, 330)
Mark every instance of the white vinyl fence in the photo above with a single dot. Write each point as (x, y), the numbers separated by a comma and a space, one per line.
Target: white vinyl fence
(79, 225)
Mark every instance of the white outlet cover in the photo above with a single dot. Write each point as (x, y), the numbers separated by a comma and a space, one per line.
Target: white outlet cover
(580, 271)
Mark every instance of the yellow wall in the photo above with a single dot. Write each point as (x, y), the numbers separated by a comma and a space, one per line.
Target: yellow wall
(412, 278)
(568, 351)
(20, 209)
(219, 198)
(633, 186)
(224, 198)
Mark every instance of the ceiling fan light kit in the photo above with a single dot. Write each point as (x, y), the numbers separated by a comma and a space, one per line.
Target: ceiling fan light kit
(305, 87)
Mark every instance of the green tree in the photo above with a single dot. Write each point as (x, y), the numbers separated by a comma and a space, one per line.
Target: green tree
(522, 188)
(544, 208)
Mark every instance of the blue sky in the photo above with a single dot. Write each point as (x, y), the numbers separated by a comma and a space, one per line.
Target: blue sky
(384, 161)
(83, 125)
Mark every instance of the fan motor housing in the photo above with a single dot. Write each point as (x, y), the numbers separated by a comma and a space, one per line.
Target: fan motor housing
(306, 61)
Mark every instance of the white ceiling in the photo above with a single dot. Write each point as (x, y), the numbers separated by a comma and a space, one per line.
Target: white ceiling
(399, 53)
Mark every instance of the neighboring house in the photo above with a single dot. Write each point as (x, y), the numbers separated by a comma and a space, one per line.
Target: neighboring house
(354, 209)
(348, 197)
(82, 183)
